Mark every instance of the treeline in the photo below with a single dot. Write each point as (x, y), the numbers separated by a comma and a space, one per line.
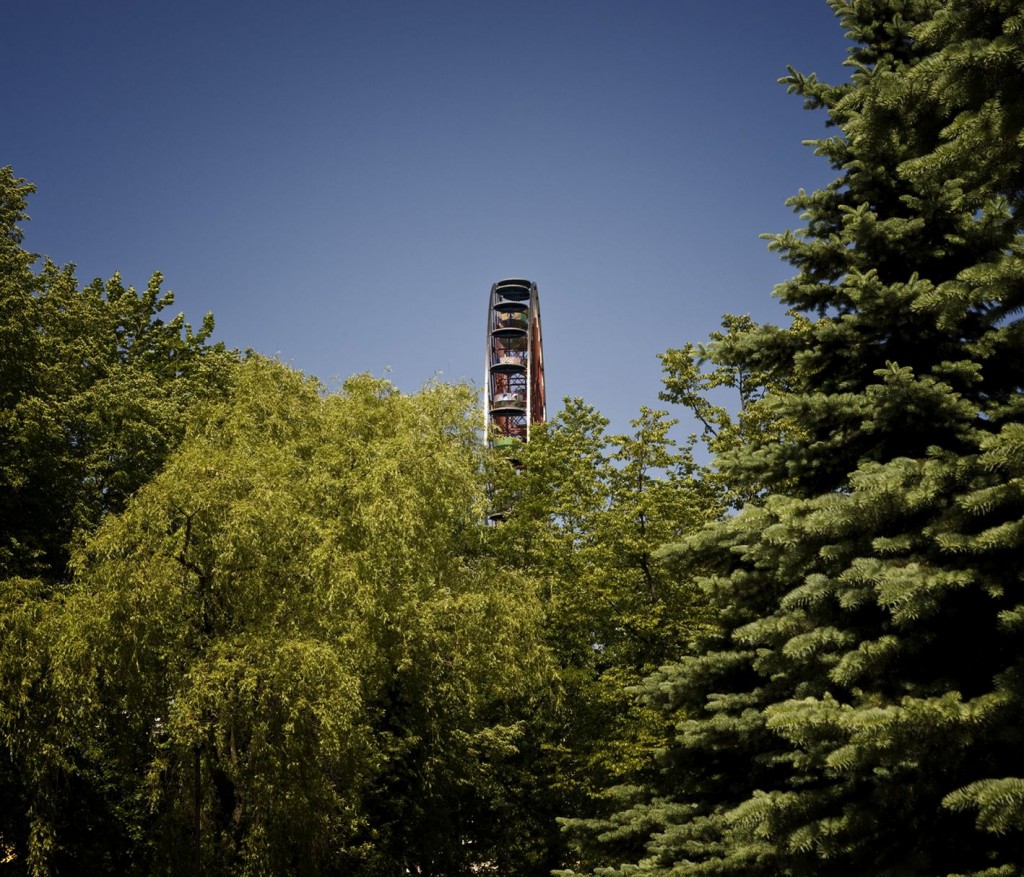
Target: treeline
(250, 626)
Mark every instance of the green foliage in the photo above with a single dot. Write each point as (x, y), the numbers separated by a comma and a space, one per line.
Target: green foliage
(95, 392)
(588, 514)
(857, 708)
(697, 373)
(95, 389)
(298, 601)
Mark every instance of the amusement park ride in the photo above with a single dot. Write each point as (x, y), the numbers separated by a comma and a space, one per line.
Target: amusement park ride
(514, 395)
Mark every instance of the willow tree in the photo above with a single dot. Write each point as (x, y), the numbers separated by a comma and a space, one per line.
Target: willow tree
(859, 708)
(287, 645)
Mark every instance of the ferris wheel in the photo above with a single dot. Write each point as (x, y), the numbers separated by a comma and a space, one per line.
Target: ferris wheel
(514, 397)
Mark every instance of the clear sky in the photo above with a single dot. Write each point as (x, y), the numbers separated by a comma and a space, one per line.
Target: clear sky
(341, 182)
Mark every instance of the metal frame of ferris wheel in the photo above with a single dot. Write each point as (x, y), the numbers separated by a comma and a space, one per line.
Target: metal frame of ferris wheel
(514, 395)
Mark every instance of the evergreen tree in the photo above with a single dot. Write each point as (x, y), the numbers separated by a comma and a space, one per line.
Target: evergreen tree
(860, 708)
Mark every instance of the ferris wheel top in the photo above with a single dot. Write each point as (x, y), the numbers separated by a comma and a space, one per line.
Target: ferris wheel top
(514, 289)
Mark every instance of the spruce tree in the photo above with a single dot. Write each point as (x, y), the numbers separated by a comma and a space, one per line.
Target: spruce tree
(860, 708)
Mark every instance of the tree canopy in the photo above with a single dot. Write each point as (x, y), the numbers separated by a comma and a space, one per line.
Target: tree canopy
(249, 625)
(293, 622)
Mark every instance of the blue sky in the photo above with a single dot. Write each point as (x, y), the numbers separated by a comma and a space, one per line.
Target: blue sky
(341, 183)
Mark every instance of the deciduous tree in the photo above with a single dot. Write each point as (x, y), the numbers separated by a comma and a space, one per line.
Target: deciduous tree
(95, 389)
(294, 621)
(588, 514)
(95, 392)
